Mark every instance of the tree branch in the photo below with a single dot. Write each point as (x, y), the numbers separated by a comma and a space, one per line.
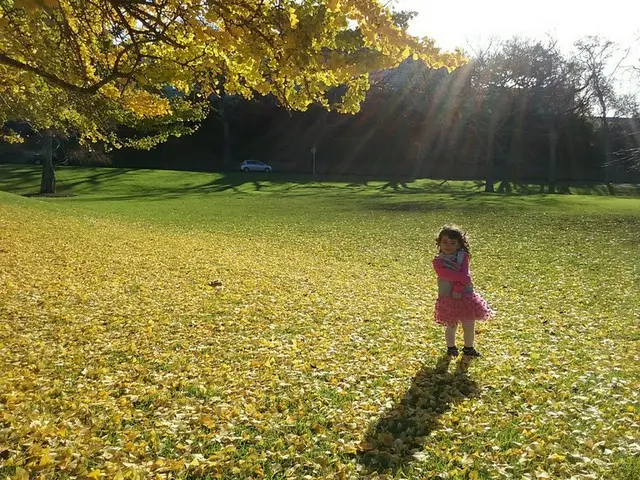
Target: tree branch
(53, 79)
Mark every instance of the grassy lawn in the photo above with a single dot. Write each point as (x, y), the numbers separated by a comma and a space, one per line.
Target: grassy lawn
(159, 324)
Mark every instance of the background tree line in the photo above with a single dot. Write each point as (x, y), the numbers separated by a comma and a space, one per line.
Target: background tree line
(519, 111)
(131, 74)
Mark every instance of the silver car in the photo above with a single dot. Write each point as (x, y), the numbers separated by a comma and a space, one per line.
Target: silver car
(255, 166)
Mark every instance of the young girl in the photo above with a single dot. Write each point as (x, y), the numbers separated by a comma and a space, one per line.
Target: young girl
(457, 302)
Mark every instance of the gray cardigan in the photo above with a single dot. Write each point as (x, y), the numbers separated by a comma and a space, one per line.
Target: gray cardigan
(445, 288)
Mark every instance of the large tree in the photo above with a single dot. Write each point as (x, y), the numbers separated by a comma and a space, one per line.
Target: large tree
(549, 92)
(51, 110)
(601, 59)
(524, 93)
(628, 106)
(121, 53)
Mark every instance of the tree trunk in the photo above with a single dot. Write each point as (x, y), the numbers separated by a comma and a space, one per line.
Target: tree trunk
(551, 174)
(226, 128)
(223, 115)
(607, 157)
(607, 141)
(491, 167)
(48, 180)
(502, 160)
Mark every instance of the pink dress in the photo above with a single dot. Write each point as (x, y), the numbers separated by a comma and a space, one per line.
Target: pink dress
(457, 302)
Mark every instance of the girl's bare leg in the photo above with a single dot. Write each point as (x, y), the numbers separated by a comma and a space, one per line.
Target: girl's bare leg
(450, 336)
(469, 329)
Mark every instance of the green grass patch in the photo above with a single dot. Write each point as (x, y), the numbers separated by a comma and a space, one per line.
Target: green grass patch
(195, 325)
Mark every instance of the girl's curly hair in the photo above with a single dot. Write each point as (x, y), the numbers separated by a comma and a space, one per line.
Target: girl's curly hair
(456, 233)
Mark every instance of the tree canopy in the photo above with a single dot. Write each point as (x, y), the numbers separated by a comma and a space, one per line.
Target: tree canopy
(87, 64)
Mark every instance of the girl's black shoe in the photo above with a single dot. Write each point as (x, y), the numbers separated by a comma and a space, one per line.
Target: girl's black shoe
(452, 351)
(470, 352)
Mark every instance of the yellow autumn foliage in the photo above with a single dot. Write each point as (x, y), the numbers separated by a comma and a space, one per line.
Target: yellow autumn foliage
(161, 325)
(126, 52)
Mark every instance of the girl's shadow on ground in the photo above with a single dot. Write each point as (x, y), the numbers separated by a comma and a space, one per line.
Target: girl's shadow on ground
(401, 432)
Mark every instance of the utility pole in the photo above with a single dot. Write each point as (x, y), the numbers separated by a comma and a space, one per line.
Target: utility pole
(313, 155)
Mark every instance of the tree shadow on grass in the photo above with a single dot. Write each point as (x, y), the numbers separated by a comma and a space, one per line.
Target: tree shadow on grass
(402, 431)
(463, 203)
(395, 185)
(17, 179)
(127, 184)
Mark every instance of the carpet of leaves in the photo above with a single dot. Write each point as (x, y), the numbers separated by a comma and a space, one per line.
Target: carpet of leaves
(131, 349)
